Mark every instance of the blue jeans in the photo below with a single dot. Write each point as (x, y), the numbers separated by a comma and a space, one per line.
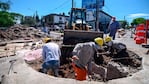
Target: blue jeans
(53, 64)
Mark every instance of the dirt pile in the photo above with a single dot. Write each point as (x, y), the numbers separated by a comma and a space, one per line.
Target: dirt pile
(20, 32)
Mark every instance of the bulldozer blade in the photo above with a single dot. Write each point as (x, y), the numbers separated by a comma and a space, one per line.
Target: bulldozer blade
(72, 37)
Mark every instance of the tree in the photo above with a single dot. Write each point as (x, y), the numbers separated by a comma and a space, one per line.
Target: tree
(4, 6)
(6, 19)
(123, 23)
(29, 21)
(138, 21)
(63, 14)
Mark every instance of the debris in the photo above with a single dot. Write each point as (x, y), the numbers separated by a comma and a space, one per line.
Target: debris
(121, 33)
(115, 70)
(21, 32)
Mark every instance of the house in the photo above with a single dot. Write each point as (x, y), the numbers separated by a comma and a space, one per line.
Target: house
(55, 20)
(104, 18)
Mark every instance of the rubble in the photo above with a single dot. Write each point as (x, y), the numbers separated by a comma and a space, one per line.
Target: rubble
(115, 70)
(121, 33)
(20, 32)
(104, 68)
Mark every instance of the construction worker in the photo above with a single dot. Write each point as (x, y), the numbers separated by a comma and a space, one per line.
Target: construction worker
(115, 46)
(83, 54)
(51, 55)
(113, 27)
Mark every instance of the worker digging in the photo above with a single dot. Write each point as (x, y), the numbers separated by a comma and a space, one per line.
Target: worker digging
(83, 54)
(51, 55)
(115, 47)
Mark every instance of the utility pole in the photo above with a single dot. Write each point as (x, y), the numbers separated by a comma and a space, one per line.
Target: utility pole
(72, 3)
(97, 15)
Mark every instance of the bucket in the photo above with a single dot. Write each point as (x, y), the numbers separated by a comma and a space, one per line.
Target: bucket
(80, 73)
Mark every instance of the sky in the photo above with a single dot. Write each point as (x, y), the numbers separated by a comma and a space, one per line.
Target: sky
(121, 9)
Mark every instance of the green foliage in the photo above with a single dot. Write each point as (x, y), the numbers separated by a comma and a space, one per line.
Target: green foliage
(37, 17)
(6, 19)
(29, 21)
(16, 15)
(123, 23)
(138, 21)
(4, 6)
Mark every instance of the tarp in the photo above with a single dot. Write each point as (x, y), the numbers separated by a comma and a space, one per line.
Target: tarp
(33, 55)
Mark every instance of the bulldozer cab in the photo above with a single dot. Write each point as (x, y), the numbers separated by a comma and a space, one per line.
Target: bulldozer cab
(77, 19)
(78, 15)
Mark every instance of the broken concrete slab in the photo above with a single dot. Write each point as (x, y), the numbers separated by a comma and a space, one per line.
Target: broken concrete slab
(115, 70)
(102, 71)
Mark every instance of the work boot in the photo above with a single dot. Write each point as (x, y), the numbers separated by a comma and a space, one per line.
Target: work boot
(56, 72)
(43, 71)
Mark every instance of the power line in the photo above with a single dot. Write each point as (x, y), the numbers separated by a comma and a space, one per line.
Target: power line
(64, 3)
(68, 4)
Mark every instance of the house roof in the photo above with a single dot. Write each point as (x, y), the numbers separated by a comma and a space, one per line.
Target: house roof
(54, 14)
(105, 13)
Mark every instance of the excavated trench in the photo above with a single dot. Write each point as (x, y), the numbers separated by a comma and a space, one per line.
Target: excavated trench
(106, 67)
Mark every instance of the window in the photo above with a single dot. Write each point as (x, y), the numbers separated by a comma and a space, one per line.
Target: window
(60, 18)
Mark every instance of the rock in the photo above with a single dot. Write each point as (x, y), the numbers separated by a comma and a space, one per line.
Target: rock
(115, 70)
(102, 71)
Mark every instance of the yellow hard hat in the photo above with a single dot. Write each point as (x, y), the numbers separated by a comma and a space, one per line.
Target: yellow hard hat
(108, 38)
(99, 41)
(46, 39)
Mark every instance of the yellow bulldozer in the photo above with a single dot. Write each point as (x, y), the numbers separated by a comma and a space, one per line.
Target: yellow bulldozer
(77, 20)
(76, 31)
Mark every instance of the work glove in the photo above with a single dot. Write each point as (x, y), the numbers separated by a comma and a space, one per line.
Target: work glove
(108, 52)
(105, 47)
(74, 58)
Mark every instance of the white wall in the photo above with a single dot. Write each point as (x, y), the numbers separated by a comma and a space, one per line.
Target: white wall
(57, 19)
(102, 17)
